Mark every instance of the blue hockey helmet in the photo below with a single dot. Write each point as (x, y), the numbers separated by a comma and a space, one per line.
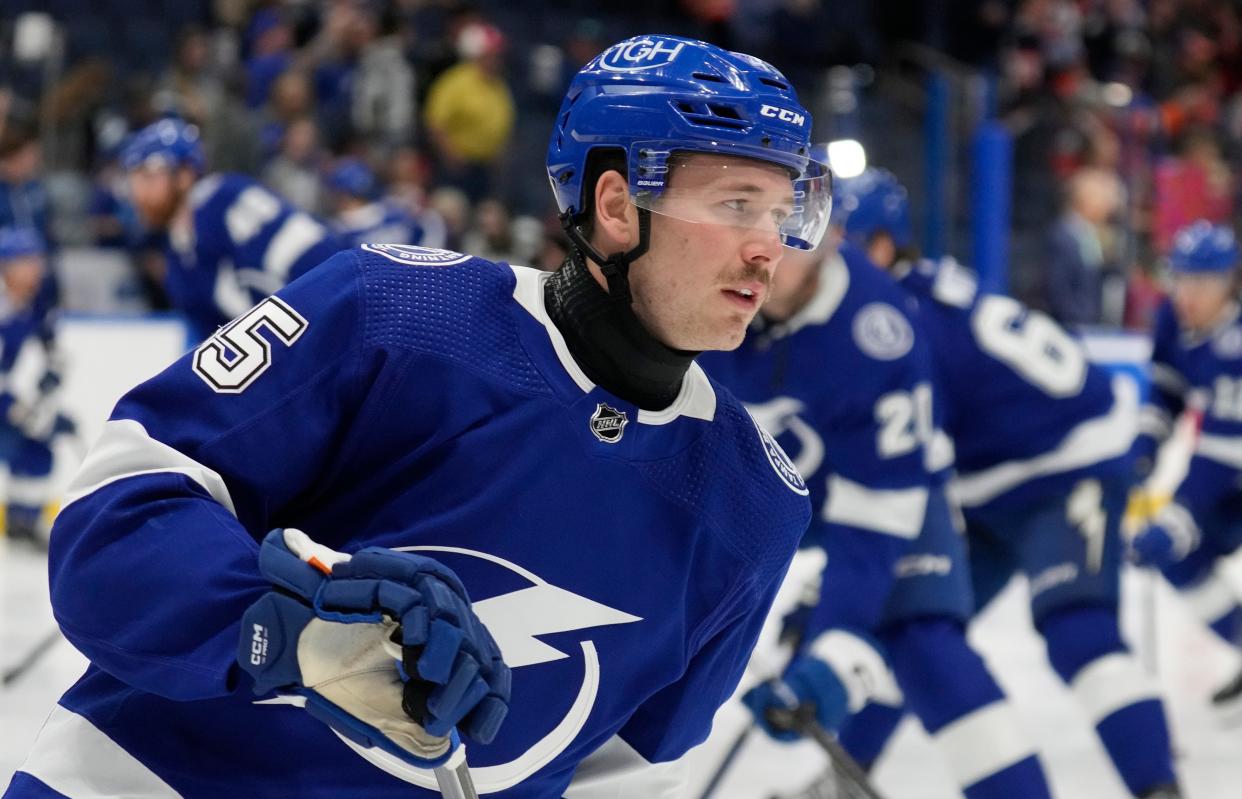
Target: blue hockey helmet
(20, 242)
(168, 142)
(873, 202)
(1204, 248)
(652, 96)
(353, 177)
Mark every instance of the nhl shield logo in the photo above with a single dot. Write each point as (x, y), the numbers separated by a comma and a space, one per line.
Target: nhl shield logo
(608, 424)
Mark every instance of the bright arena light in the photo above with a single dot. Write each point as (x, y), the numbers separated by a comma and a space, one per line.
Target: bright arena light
(847, 158)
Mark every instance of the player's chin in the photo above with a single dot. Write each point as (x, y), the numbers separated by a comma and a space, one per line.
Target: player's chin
(729, 333)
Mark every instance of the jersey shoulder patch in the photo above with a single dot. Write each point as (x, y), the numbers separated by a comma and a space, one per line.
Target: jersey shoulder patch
(781, 463)
(414, 255)
(882, 331)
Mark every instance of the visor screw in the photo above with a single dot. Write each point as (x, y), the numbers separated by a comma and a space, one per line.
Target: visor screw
(565, 176)
(767, 141)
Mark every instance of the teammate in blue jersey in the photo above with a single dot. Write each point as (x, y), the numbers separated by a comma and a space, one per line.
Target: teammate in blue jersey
(29, 415)
(1197, 363)
(502, 502)
(834, 369)
(363, 215)
(230, 241)
(1042, 441)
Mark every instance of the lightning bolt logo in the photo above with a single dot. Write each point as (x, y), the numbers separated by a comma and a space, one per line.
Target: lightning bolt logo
(514, 619)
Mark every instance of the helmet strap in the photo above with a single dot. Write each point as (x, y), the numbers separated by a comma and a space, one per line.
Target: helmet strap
(615, 267)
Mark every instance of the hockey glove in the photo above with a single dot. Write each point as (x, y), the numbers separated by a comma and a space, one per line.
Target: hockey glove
(809, 688)
(1168, 538)
(383, 646)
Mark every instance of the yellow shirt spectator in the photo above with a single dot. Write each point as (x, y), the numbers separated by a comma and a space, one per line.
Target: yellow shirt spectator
(470, 111)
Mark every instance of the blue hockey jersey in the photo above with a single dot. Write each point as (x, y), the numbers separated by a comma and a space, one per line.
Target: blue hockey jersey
(623, 559)
(1028, 414)
(1203, 371)
(845, 385)
(242, 243)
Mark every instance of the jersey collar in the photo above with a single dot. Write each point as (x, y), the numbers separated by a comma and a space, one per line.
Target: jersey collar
(696, 400)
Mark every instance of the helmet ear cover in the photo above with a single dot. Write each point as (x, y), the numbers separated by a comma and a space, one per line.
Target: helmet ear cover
(579, 225)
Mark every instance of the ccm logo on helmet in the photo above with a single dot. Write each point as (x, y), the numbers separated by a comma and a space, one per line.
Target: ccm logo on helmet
(640, 54)
(783, 114)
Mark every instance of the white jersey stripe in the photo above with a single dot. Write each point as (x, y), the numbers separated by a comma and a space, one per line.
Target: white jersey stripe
(125, 449)
(1110, 683)
(982, 743)
(892, 512)
(297, 235)
(72, 756)
(1095, 440)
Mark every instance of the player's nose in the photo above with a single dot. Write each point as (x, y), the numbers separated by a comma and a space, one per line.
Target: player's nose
(762, 248)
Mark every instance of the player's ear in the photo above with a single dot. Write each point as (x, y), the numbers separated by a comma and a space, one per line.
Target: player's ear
(616, 218)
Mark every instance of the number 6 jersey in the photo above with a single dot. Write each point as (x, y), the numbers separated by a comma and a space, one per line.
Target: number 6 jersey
(623, 559)
(1028, 414)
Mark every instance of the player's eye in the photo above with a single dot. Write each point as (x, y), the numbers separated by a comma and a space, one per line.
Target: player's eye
(739, 205)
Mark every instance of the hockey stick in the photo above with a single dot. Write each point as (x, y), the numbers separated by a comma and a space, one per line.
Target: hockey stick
(454, 777)
(727, 762)
(801, 719)
(36, 653)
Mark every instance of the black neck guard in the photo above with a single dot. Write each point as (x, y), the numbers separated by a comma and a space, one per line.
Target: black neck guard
(609, 342)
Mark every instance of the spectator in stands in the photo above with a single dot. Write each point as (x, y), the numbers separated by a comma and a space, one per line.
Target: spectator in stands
(1195, 184)
(292, 98)
(270, 43)
(1082, 282)
(470, 112)
(23, 199)
(381, 86)
(189, 84)
(294, 172)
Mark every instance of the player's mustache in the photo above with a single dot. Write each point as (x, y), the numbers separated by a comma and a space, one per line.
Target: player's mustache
(752, 273)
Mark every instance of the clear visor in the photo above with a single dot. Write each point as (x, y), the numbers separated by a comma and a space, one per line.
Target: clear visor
(742, 189)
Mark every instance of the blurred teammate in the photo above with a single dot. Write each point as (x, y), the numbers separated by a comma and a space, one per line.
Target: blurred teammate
(29, 415)
(834, 367)
(230, 241)
(1042, 439)
(1197, 364)
(363, 215)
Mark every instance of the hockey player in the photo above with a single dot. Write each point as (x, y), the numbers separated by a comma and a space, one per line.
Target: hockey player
(460, 460)
(29, 416)
(230, 241)
(1042, 440)
(834, 368)
(362, 215)
(1197, 362)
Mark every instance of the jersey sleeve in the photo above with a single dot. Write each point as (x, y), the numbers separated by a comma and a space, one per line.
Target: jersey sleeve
(1166, 399)
(153, 558)
(877, 456)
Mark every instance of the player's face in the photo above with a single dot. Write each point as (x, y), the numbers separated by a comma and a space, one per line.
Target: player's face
(1200, 300)
(156, 194)
(701, 282)
(22, 277)
(881, 250)
(793, 284)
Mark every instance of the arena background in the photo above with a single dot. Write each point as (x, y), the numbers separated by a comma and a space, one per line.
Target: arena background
(997, 114)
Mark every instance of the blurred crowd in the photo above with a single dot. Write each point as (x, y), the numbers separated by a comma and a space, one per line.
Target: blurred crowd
(1126, 114)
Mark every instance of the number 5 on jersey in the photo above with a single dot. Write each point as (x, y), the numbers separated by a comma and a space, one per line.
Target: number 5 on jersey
(238, 353)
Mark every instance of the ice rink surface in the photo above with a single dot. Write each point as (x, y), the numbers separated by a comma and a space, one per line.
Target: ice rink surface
(1191, 664)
